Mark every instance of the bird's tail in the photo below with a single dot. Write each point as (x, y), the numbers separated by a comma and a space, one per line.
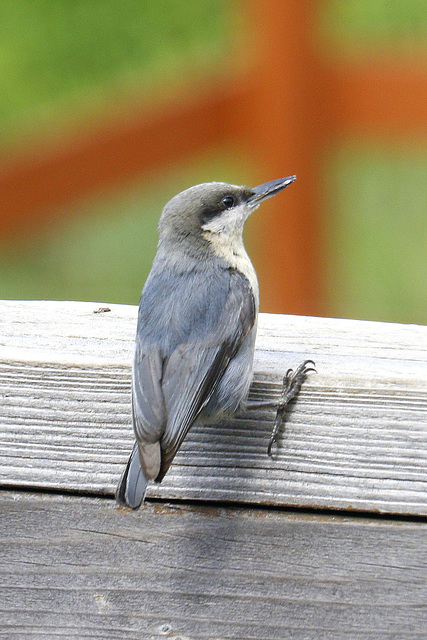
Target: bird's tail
(133, 483)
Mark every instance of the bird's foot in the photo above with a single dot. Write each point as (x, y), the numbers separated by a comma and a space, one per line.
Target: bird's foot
(292, 383)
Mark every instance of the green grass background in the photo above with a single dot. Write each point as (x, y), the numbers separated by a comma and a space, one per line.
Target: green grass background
(62, 61)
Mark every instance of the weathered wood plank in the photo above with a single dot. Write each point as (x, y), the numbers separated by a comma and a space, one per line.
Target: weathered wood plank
(84, 568)
(356, 439)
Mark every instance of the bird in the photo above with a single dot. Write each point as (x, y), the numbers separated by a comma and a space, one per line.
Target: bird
(196, 328)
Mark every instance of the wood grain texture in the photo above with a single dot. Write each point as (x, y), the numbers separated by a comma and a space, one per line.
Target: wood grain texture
(85, 568)
(356, 438)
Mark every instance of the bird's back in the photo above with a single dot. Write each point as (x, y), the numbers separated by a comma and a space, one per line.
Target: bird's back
(201, 364)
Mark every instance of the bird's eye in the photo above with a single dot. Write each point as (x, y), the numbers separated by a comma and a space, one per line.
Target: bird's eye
(228, 202)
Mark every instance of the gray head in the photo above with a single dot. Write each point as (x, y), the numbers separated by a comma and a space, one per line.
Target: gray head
(213, 209)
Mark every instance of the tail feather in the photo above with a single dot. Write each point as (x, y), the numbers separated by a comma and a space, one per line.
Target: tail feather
(133, 483)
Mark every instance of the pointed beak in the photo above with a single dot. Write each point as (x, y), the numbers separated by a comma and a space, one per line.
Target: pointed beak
(268, 189)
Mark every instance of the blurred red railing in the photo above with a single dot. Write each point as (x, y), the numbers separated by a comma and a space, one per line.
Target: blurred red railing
(283, 111)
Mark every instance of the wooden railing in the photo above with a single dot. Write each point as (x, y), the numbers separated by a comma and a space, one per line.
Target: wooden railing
(232, 543)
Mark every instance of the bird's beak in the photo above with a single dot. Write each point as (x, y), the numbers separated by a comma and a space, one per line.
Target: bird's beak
(268, 189)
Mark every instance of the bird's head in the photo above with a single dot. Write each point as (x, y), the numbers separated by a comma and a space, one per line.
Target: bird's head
(206, 211)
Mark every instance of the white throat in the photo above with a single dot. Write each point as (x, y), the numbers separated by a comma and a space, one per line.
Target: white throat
(224, 233)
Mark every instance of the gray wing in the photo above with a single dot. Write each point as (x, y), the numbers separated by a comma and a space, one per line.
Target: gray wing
(175, 377)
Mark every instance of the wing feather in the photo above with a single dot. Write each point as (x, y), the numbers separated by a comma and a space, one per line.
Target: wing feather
(192, 386)
(148, 405)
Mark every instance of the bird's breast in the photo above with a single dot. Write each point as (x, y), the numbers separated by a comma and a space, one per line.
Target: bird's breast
(232, 251)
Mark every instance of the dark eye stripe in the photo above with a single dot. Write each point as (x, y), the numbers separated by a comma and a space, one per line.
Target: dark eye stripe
(217, 207)
(210, 212)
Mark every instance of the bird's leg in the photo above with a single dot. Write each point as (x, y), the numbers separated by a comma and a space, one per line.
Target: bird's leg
(292, 383)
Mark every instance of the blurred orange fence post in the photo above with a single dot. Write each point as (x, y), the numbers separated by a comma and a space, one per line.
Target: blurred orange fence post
(286, 137)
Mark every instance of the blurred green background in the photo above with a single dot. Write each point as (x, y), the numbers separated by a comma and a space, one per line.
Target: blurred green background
(61, 62)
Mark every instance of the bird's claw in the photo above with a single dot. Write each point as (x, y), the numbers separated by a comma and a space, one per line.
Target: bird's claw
(292, 383)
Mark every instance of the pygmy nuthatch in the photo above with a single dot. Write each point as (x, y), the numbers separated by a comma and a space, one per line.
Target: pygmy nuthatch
(196, 329)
